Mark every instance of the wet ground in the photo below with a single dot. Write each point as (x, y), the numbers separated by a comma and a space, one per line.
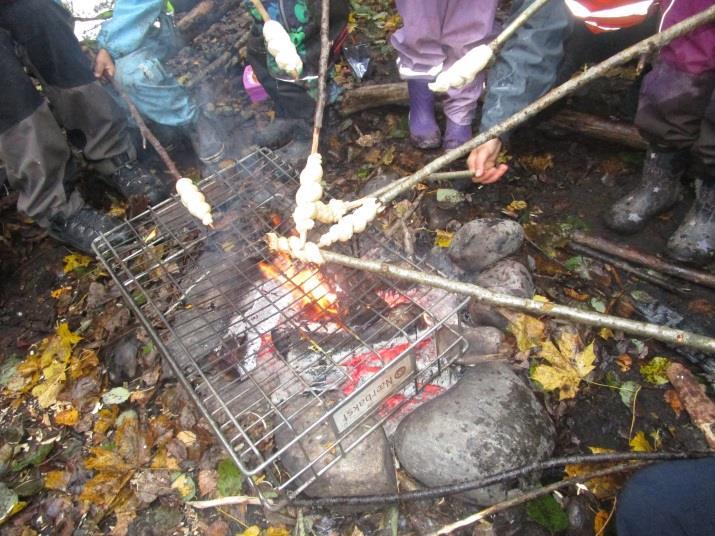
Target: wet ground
(565, 180)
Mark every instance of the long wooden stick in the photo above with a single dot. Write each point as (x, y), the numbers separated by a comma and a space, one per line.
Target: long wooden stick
(533, 494)
(673, 336)
(261, 10)
(631, 254)
(322, 73)
(651, 44)
(146, 133)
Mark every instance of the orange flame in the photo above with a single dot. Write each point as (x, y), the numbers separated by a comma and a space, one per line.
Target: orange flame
(307, 286)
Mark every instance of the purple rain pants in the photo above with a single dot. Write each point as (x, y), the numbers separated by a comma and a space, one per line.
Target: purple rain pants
(676, 108)
(435, 34)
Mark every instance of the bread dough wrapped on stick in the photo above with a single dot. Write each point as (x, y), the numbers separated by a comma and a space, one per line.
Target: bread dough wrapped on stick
(464, 70)
(348, 225)
(282, 48)
(194, 201)
(306, 252)
(308, 207)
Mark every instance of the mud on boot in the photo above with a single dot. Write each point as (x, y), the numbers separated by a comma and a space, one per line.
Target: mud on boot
(659, 190)
(81, 228)
(131, 180)
(424, 131)
(694, 241)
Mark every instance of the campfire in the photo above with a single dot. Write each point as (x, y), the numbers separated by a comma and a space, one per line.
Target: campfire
(260, 339)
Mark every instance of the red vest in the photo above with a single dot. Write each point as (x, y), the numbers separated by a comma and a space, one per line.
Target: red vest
(608, 15)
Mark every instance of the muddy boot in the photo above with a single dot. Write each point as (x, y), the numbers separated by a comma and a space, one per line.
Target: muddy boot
(455, 135)
(279, 132)
(130, 180)
(78, 230)
(658, 191)
(296, 152)
(207, 140)
(424, 131)
(694, 241)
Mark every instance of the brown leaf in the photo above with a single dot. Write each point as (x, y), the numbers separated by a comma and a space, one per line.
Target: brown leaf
(208, 479)
(624, 362)
(103, 488)
(537, 163)
(576, 295)
(67, 417)
(698, 405)
(701, 306)
(130, 440)
(149, 484)
(673, 400)
(110, 461)
(105, 420)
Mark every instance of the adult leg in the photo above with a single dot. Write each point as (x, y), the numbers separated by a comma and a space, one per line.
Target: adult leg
(80, 104)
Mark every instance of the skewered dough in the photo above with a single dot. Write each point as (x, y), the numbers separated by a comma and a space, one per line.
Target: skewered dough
(307, 252)
(282, 48)
(194, 201)
(464, 70)
(350, 224)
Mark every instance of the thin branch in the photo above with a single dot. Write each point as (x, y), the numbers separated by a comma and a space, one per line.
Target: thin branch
(225, 501)
(146, 133)
(533, 494)
(322, 73)
(676, 337)
(631, 254)
(651, 44)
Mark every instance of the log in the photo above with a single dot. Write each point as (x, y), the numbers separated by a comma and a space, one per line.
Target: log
(378, 95)
(203, 15)
(633, 255)
(599, 128)
(700, 408)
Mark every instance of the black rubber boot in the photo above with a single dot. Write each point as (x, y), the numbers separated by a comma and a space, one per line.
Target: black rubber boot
(81, 228)
(131, 180)
(694, 241)
(280, 132)
(658, 191)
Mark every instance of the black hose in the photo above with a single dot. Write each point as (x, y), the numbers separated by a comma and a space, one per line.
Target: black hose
(469, 485)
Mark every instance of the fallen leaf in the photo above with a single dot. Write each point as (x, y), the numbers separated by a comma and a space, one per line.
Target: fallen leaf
(449, 195)
(277, 531)
(516, 206)
(600, 520)
(624, 362)
(368, 140)
(57, 480)
(74, 261)
(576, 295)
(187, 437)
(567, 366)
(673, 400)
(115, 396)
(185, 485)
(537, 163)
(34, 458)
(101, 459)
(230, 479)
(701, 306)
(598, 305)
(528, 330)
(640, 443)
(67, 417)
(443, 239)
(58, 292)
(8, 502)
(602, 487)
(208, 479)
(655, 371)
(605, 333)
(628, 391)
(251, 531)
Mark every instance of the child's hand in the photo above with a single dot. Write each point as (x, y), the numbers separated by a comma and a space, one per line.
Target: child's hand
(482, 161)
(104, 65)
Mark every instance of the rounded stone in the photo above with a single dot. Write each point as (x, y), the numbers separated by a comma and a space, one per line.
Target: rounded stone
(505, 277)
(489, 422)
(482, 242)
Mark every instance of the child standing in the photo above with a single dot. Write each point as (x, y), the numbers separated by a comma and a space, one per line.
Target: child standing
(435, 34)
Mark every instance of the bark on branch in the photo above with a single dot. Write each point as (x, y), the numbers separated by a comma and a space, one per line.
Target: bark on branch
(322, 73)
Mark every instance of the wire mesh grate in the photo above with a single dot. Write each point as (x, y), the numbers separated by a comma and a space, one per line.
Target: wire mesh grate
(262, 343)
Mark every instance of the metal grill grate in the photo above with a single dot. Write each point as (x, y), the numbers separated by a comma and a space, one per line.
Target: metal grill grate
(257, 341)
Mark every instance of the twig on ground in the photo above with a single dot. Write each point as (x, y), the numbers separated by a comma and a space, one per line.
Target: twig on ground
(148, 134)
(225, 501)
(698, 405)
(218, 62)
(526, 497)
(654, 278)
(647, 45)
(631, 254)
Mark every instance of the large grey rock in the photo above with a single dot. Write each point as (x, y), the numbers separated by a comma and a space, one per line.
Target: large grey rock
(506, 277)
(485, 343)
(482, 242)
(490, 421)
(366, 469)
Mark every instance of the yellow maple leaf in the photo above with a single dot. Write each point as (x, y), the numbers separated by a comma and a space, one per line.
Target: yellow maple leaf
(567, 366)
(640, 443)
(54, 380)
(528, 330)
(76, 260)
(516, 206)
(67, 417)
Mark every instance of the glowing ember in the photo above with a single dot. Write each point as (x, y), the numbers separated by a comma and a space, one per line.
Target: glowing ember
(308, 286)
